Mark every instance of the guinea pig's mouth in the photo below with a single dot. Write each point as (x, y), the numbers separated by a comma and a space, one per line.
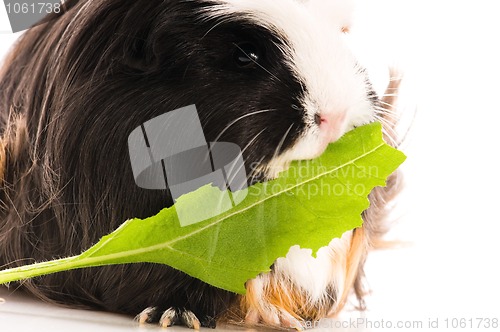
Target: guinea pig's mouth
(309, 147)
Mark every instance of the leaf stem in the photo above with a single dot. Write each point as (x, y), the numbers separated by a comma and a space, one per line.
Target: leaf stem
(39, 269)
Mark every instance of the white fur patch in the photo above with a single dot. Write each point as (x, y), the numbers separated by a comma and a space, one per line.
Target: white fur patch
(316, 274)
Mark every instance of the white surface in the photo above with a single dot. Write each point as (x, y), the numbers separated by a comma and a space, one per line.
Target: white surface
(449, 51)
(22, 313)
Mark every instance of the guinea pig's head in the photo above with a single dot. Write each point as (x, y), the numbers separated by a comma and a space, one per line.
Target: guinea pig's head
(275, 77)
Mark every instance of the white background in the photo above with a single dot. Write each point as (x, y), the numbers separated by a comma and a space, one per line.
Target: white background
(448, 215)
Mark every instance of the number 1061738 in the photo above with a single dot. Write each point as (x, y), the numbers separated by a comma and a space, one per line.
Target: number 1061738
(32, 8)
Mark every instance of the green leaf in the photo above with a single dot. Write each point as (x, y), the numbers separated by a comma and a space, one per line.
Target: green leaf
(308, 205)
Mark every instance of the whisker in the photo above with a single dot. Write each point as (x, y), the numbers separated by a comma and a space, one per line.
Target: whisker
(381, 110)
(384, 109)
(212, 28)
(389, 95)
(388, 115)
(243, 151)
(253, 140)
(254, 171)
(387, 104)
(280, 145)
(407, 132)
(388, 118)
(388, 130)
(390, 138)
(238, 119)
(282, 141)
(385, 120)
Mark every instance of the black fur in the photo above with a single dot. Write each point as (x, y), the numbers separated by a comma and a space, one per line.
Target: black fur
(83, 82)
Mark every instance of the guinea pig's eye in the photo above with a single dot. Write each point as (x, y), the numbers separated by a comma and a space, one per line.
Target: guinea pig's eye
(246, 54)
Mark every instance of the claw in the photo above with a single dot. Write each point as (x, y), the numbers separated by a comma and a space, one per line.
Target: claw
(252, 317)
(147, 315)
(289, 321)
(271, 316)
(190, 319)
(169, 318)
(174, 316)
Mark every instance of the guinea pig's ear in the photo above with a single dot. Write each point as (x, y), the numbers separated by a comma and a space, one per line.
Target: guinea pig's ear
(337, 12)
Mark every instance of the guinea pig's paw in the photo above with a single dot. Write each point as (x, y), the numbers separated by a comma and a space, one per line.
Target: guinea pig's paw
(270, 306)
(174, 316)
(300, 288)
(274, 316)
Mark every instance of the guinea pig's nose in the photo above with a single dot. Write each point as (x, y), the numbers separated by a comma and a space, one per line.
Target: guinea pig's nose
(318, 119)
(331, 124)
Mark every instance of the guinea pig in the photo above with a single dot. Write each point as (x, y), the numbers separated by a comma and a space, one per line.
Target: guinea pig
(277, 78)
